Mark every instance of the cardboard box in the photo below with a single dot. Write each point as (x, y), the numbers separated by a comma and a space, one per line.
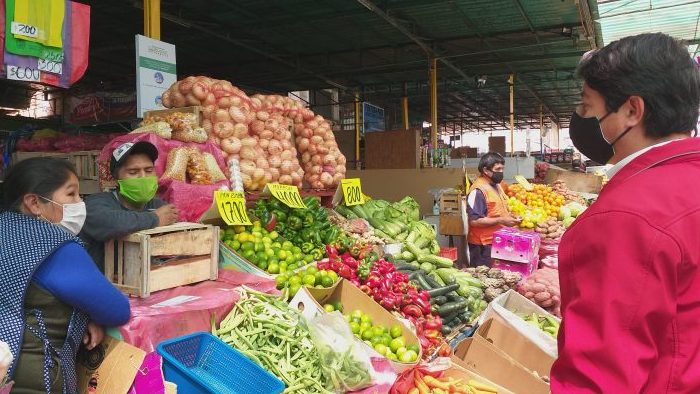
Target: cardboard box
(478, 355)
(310, 300)
(511, 303)
(514, 344)
(108, 368)
(458, 372)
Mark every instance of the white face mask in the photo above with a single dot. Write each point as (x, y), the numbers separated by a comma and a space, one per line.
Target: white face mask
(74, 215)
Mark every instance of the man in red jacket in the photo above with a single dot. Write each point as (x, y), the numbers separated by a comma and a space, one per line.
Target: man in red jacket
(629, 266)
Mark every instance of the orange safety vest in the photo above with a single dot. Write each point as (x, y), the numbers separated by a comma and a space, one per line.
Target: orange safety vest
(496, 206)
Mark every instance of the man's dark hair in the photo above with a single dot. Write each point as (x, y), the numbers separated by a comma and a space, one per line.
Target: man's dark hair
(489, 160)
(655, 67)
(39, 175)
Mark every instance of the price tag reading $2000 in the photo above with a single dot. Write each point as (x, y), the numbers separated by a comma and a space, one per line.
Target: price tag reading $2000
(232, 208)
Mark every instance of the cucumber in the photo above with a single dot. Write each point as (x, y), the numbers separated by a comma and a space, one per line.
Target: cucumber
(452, 297)
(442, 291)
(432, 282)
(421, 281)
(427, 267)
(450, 318)
(446, 329)
(438, 300)
(451, 307)
(447, 275)
(405, 267)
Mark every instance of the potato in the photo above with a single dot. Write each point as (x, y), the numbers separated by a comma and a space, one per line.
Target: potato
(543, 296)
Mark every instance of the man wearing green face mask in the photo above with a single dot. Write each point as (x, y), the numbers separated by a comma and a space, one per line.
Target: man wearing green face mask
(132, 206)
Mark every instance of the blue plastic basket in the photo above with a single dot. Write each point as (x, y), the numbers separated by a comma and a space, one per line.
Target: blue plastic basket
(202, 363)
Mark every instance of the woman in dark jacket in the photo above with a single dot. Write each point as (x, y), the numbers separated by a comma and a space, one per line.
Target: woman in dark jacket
(53, 296)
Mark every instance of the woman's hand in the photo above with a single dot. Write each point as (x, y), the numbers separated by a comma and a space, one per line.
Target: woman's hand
(94, 335)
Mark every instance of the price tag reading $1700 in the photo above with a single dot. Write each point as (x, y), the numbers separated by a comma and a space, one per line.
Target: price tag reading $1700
(352, 191)
(287, 194)
(232, 208)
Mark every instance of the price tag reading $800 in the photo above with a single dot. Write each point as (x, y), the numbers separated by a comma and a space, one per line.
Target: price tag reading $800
(287, 194)
(352, 191)
(232, 208)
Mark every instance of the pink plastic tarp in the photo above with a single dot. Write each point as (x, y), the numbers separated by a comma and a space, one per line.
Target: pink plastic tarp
(183, 310)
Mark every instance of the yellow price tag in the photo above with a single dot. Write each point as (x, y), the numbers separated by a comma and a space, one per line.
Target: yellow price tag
(524, 183)
(232, 208)
(352, 191)
(287, 194)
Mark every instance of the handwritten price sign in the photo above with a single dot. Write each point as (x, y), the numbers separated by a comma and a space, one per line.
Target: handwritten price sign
(287, 194)
(352, 191)
(232, 208)
(23, 74)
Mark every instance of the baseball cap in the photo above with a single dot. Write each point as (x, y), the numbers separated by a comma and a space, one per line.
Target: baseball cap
(123, 151)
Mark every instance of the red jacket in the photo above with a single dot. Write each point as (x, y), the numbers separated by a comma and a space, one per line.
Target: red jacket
(630, 285)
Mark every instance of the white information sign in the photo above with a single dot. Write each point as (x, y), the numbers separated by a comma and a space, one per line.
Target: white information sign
(156, 70)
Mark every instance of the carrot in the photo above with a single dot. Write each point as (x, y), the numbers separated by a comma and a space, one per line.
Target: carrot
(482, 387)
(413, 391)
(420, 384)
(435, 383)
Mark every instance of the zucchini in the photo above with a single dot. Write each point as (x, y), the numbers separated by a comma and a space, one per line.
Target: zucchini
(447, 275)
(455, 297)
(432, 282)
(446, 329)
(450, 307)
(346, 212)
(421, 281)
(427, 267)
(440, 262)
(442, 291)
(439, 300)
(416, 252)
(469, 281)
(405, 267)
(408, 256)
(412, 276)
(437, 278)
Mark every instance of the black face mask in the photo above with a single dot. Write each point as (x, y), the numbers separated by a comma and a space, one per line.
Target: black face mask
(496, 177)
(587, 137)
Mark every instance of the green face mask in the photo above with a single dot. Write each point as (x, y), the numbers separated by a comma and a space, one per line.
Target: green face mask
(138, 191)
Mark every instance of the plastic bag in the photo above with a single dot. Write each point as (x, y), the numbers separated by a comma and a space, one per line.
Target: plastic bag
(343, 360)
(149, 378)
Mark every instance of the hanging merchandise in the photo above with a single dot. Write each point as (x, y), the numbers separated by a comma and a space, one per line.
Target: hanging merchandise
(42, 21)
(24, 47)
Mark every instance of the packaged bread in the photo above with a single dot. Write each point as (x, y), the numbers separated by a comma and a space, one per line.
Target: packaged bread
(176, 167)
(161, 129)
(197, 169)
(213, 168)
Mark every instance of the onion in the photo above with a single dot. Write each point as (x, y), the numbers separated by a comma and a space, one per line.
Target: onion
(214, 140)
(208, 111)
(296, 178)
(299, 128)
(268, 177)
(327, 179)
(249, 142)
(258, 174)
(322, 150)
(261, 162)
(186, 85)
(275, 173)
(223, 129)
(287, 155)
(305, 157)
(240, 130)
(272, 124)
(231, 145)
(237, 115)
(247, 167)
(275, 148)
(275, 161)
(266, 135)
(285, 179)
(286, 167)
(178, 100)
(257, 103)
(340, 169)
(317, 185)
(316, 159)
(247, 182)
(315, 170)
(313, 149)
(236, 101)
(341, 160)
(200, 90)
(337, 178)
(263, 115)
(257, 126)
(263, 143)
(166, 99)
(316, 140)
(221, 115)
(312, 124)
(303, 144)
(248, 153)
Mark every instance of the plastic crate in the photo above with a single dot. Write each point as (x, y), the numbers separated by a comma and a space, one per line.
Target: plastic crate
(200, 363)
(449, 253)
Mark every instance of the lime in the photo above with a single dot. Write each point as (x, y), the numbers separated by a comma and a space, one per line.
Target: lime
(356, 313)
(282, 255)
(273, 268)
(262, 265)
(319, 287)
(248, 254)
(380, 348)
(283, 264)
(376, 340)
(381, 329)
(238, 229)
(311, 270)
(286, 245)
(395, 331)
(397, 343)
(409, 356)
(242, 237)
(366, 326)
(256, 233)
(267, 241)
(329, 308)
(247, 245)
(309, 280)
(294, 280)
(293, 289)
(261, 256)
(348, 319)
(414, 347)
(366, 334)
(235, 245)
(326, 281)
(298, 256)
(281, 282)
(366, 318)
(333, 275)
(319, 276)
(400, 351)
(308, 258)
(296, 249)
(354, 327)
(270, 253)
(292, 267)
(277, 245)
(290, 258)
(273, 235)
(259, 246)
(378, 332)
(386, 340)
(392, 356)
(338, 306)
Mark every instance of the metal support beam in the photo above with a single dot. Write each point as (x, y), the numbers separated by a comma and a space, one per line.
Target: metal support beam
(357, 131)
(404, 112)
(151, 19)
(433, 102)
(511, 84)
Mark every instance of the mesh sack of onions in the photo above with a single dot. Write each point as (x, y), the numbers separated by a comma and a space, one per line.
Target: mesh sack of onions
(323, 164)
(287, 106)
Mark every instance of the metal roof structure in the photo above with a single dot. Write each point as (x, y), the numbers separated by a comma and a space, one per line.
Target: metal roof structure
(380, 49)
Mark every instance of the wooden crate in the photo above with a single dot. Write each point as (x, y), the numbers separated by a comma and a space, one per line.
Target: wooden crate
(85, 163)
(197, 110)
(450, 202)
(19, 156)
(191, 250)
